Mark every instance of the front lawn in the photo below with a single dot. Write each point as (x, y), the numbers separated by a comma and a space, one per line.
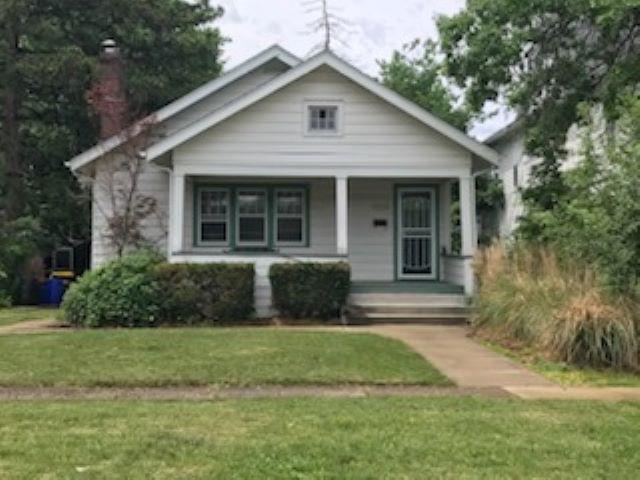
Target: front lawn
(12, 315)
(564, 373)
(320, 438)
(202, 356)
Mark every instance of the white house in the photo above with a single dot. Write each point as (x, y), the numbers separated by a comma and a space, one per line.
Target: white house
(516, 166)
(283, 159)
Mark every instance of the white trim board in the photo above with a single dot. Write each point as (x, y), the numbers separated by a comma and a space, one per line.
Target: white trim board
(355, 75)
(271, 53)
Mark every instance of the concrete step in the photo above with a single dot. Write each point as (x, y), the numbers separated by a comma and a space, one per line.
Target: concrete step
(407, 313)
(410, 307)
(399, 318)
(407, 298)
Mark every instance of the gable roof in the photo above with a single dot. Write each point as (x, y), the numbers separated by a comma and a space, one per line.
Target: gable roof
(514, 127)
(274, 52)
(330, 59)
(298, 69)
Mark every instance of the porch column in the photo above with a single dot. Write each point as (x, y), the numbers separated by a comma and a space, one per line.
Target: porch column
(445, 216)
(467, 227)
(342, 215)
(176, 213)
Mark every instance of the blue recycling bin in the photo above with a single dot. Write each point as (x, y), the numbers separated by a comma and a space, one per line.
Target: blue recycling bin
(51, 292)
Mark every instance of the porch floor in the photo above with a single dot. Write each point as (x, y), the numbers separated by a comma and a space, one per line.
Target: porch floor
(406, 287)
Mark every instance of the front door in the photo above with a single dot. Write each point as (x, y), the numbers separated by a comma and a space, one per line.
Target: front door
(416, 233)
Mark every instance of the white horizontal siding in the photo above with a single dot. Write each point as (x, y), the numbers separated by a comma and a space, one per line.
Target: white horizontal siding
(371, 249)
(272, 132)
(152, 182)
(454, 269)
(223, 96)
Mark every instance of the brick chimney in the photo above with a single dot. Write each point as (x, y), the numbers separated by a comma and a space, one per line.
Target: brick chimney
(108, 96)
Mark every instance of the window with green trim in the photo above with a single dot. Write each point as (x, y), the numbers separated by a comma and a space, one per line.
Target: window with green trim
(290, 216)
(251, 217)
(213, 216)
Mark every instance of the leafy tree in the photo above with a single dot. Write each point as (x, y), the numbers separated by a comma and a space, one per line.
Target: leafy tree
(48, 55)
(416, 73)
(545, 56)
(598, 220)
(48, 58)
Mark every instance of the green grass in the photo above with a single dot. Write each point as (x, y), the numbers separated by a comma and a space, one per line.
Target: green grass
(564, 373)
(320, 438)
(12, 315)
(201, 356)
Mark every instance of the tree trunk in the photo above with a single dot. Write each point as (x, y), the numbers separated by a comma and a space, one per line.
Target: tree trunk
(14, 206)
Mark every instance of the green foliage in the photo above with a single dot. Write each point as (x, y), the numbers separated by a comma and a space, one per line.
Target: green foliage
(21, 240)
(138, 290)
(122, 293)
(169, 48)
(597, 218)
(528, 296)
(546, 57)
(207, 293)
(310, 290)
(418, 76)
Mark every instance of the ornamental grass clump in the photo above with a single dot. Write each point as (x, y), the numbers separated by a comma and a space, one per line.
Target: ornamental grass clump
(591, 330)
(527, 296)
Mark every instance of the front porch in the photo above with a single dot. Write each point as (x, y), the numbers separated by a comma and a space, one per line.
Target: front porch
(394, 232)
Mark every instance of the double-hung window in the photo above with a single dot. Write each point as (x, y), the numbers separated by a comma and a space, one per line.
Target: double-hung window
(251, 217)
(214, 209)
(290, 216)
(247, 217)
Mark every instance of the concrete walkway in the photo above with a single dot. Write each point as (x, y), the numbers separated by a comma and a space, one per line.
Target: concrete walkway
(470, 365)
(467, 363)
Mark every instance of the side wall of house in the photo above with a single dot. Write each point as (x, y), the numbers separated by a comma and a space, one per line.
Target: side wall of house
(152, 182)
(514, 171)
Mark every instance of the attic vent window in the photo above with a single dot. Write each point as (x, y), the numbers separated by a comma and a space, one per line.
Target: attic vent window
(323, 119)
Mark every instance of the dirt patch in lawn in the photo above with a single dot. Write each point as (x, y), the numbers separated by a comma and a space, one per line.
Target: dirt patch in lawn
(270, 391)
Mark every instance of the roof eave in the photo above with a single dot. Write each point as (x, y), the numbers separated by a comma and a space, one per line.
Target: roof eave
(271, 53)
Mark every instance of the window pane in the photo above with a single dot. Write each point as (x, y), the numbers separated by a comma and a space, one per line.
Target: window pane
(290, 229)
(323, 118)
(290, 203)
(251, 229)
(213, 202)
(251, 202)
(214, 210)
(213, 232)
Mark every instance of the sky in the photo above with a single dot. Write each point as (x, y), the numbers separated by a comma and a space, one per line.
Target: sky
(371, 31)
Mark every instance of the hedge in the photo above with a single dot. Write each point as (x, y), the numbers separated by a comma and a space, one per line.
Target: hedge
(310, 289)
(139, 290)
(205, 293)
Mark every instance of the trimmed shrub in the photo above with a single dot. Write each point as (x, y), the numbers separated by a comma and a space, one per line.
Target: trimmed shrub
(310, 290)
(205, 293)
(122, 293)
(526, 295)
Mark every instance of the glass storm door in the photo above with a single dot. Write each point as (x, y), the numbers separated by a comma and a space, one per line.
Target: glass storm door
(416, 233)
